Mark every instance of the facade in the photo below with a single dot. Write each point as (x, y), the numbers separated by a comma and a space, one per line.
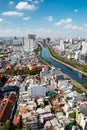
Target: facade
(37, 90)
(29, 43)
(61, 45)
(48, 40)
(84, 47)
(77, 54)
(32, 36)
(16, 42)
(83, 58)
(7, 107)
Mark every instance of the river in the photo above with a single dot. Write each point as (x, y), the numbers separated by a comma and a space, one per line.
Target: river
(70, 72)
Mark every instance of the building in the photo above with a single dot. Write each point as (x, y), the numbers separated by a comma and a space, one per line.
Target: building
(16, 42)
(80, 119)
(48, 40)
(32, 36)
(6, 108)
(84, 47)
(38, 66)
(22, 40)
(83, 58)
(37, 90)
(77, 54)
(61, 47)
(29, 43)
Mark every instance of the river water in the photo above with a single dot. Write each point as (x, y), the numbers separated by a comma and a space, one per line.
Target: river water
(70, 72)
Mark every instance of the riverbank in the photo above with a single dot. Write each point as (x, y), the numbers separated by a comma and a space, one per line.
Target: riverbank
(75, 83)
(57, 58)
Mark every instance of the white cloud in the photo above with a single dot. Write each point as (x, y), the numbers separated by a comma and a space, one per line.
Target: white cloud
(68, 20)
(26, 18)
(10, 32)
(11, 2)
(12, 13)
(36, 2)
(25, 6)
(49, 18)
(81, 28)
(76, 10)
(63, 21)
(85, 25)
(70, 26)
(1, 19)
(75, 27)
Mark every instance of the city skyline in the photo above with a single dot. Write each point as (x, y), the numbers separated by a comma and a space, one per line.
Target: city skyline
(51, 18)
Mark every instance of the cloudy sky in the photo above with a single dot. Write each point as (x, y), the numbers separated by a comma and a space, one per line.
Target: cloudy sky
(48, 18)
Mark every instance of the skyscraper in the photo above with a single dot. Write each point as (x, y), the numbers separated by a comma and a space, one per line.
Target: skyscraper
(32, 36)
(29, 42)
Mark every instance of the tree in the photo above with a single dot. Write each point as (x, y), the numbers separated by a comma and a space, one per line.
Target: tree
(8, 126)
(68, 127)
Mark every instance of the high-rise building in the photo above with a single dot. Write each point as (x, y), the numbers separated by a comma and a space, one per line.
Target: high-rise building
(62, 45)
(29, 43)
(26, 44)
(32, 36)
(22, 40)
(84, 47)
(48, 40)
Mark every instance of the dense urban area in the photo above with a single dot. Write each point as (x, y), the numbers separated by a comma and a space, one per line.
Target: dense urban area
(36, 95)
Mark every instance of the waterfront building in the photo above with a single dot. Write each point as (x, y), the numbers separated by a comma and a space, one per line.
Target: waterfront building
(84, 47)
(83, 58)
(77, 55)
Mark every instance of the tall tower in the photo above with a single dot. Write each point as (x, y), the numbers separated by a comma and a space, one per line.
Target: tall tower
(62, 45)
(32, 39)
(29, 42)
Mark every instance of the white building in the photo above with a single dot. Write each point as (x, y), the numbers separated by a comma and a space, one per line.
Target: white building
(28, 44)
(63, 83)
(37, 90)
(77, 55)
(84, 47)
(61, 45)
(53, 85)
(16, 42)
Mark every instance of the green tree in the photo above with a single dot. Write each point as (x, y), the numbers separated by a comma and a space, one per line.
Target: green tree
(68, 127)
(8, 126)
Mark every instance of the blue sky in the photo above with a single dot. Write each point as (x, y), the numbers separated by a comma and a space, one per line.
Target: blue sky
(47, 18)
